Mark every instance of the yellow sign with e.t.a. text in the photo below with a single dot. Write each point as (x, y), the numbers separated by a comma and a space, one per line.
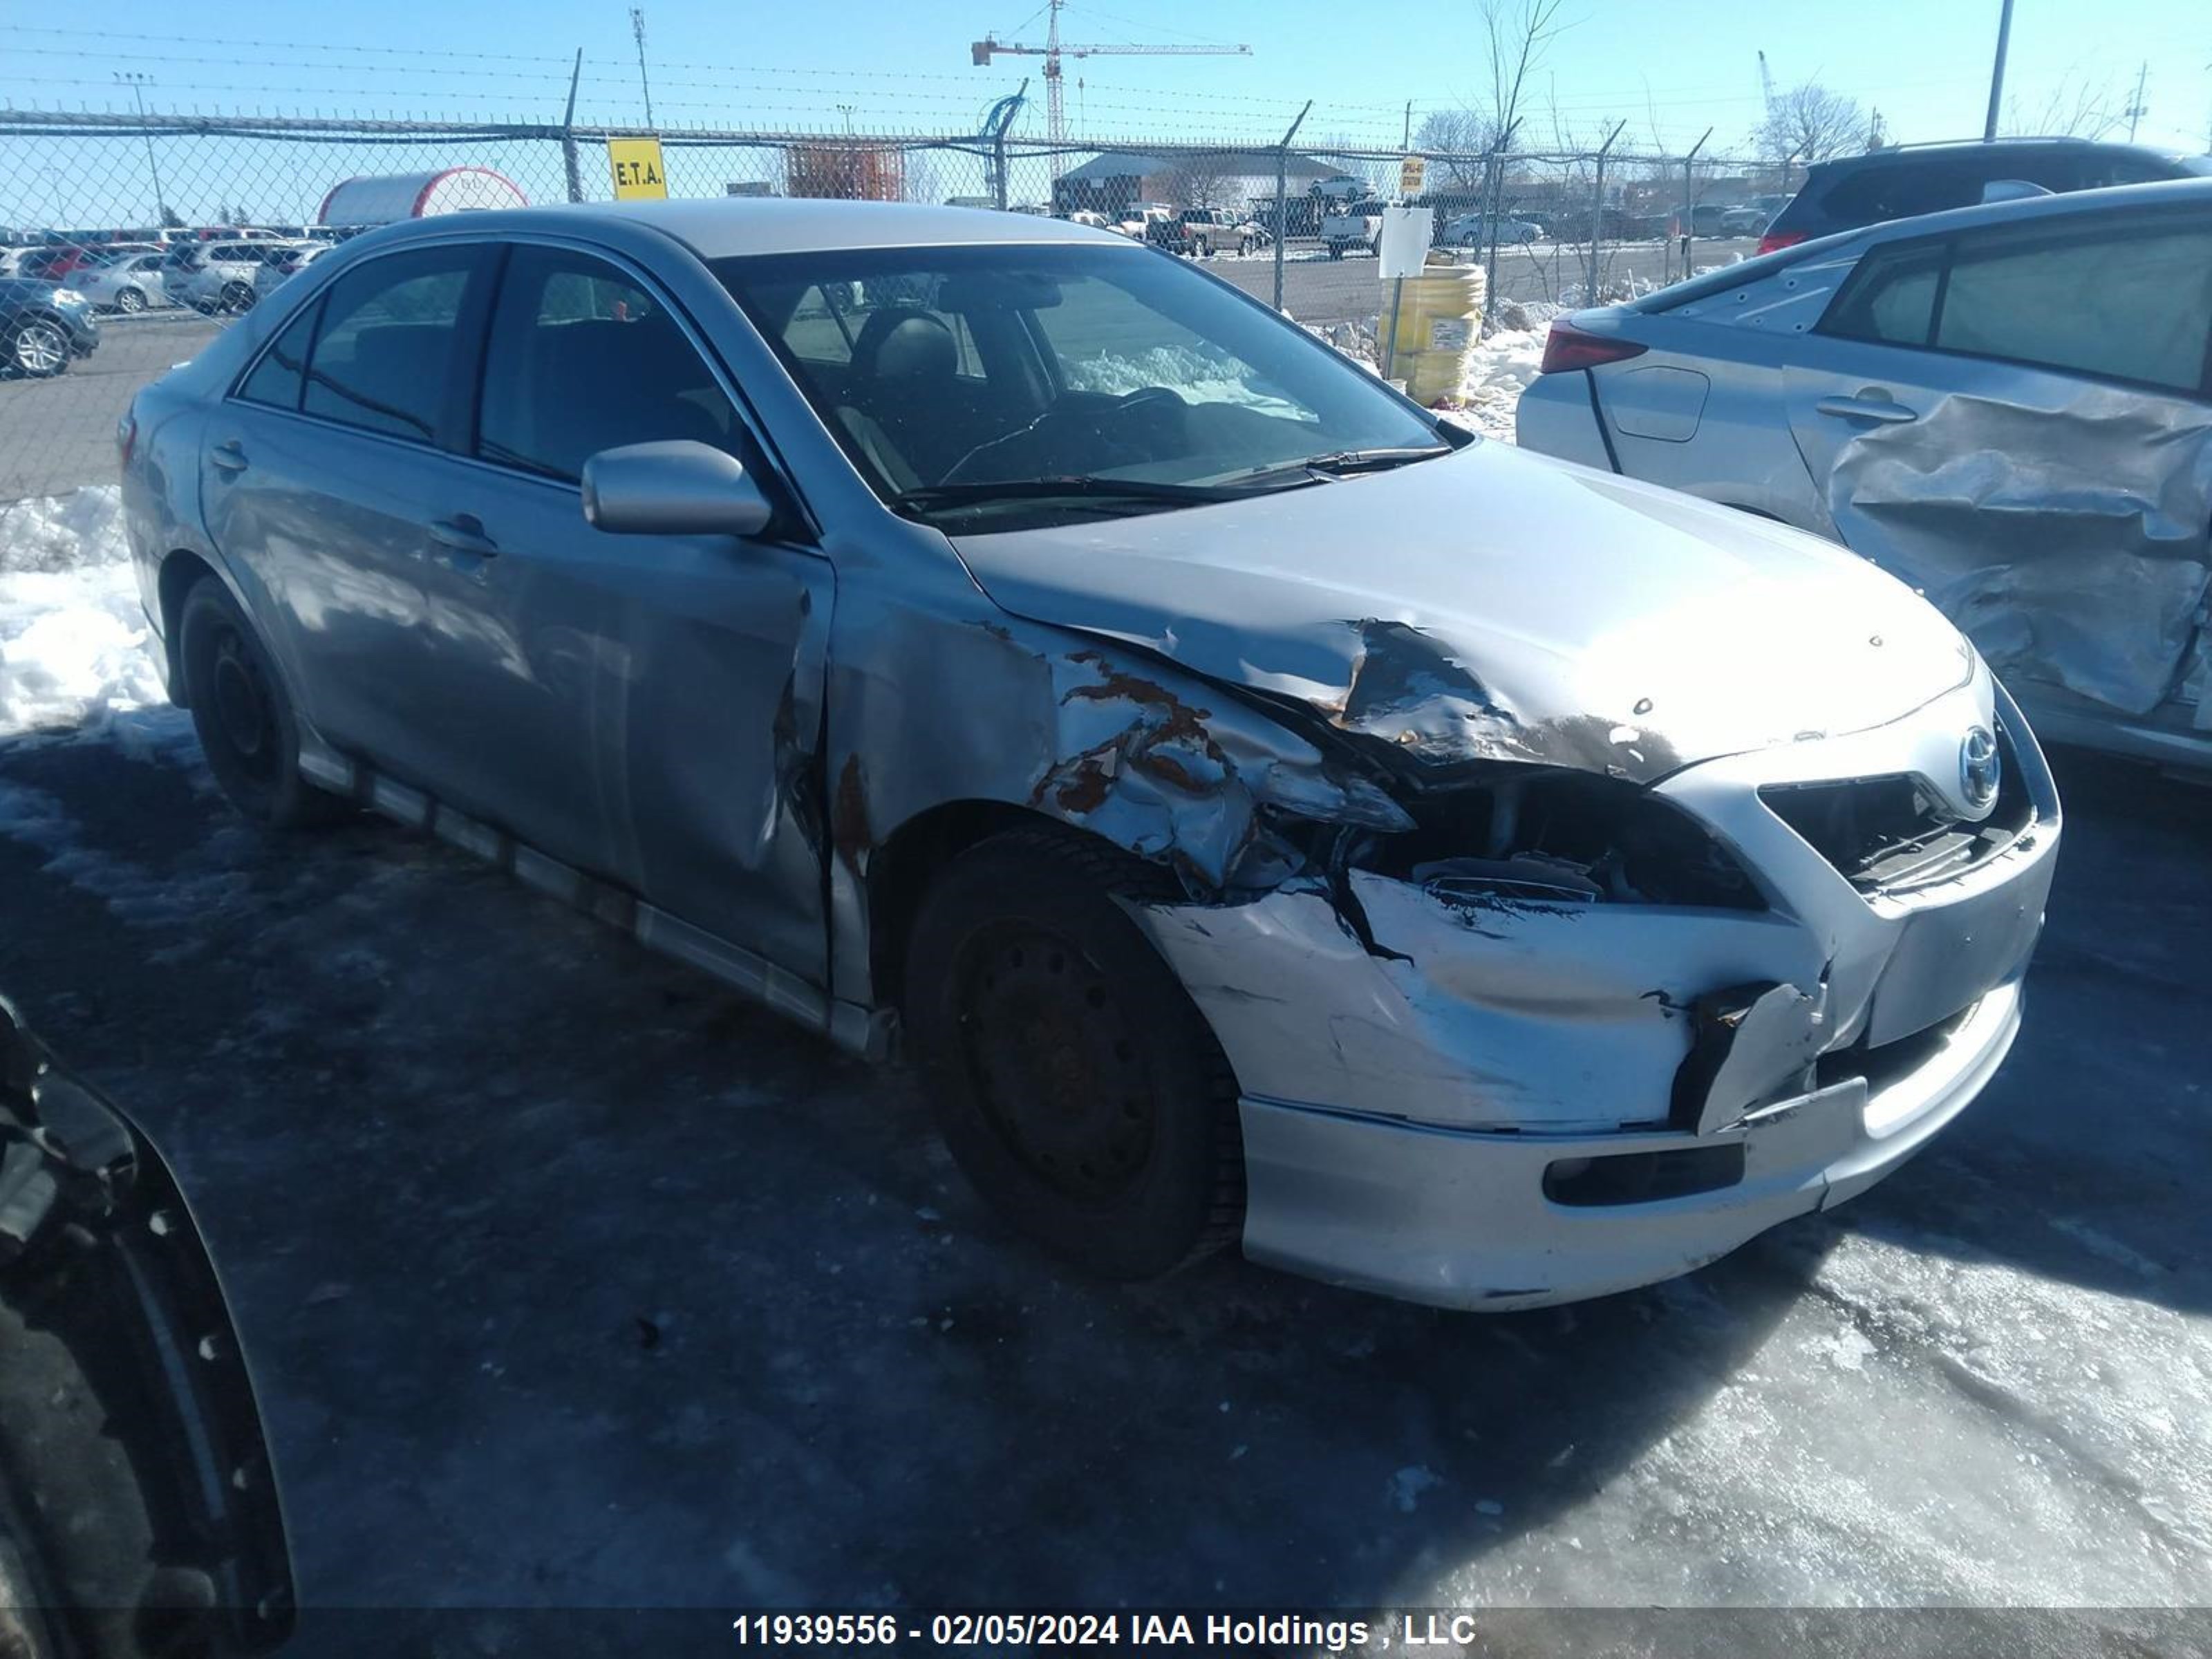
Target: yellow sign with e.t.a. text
(638, 172)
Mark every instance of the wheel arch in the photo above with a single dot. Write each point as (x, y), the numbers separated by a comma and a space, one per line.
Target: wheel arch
(901, 867)
(182, 570)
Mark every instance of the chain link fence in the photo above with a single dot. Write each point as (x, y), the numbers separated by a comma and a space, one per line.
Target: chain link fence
(170, 225)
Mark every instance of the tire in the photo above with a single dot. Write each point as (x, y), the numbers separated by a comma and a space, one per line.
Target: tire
(245, 720)
(38, 347)
(1075, 1081)
(236, 298)
(130, 301)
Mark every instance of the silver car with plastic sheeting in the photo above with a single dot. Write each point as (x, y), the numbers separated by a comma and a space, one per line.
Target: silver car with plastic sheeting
(1264, 813)
(2009, 407)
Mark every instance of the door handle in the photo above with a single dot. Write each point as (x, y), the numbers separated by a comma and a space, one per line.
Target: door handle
(465, 533)
(229, 456)
(1867, 406)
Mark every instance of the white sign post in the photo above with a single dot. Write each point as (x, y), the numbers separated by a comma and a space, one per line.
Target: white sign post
(1404, 246)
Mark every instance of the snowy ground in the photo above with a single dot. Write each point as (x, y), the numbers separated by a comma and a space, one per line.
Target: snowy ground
(569, 1278)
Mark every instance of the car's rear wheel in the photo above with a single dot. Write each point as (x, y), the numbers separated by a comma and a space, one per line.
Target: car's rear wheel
(38, 347)
(245, 720)
(1075, 1082)
(236, 297)
(130, 299)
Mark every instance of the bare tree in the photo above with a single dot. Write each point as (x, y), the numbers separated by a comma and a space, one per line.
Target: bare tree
(1516, 34)
(1460, 140)
(2073, 110)
(1194, 179)
(1809, 124)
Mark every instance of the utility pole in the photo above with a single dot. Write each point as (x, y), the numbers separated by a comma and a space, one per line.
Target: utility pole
(568, 160)
(1282, 197)
(138, 84)
(637, 28)
(2135, 109)
(1690, 201)
(1407, 143)
(1997, 72)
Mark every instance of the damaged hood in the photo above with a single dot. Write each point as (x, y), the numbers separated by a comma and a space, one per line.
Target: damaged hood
(1491, 605)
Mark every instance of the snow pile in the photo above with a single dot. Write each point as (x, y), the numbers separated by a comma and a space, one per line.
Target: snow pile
(1497, 371)
(73, 634)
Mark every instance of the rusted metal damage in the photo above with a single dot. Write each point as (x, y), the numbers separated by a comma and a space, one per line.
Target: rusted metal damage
(1415, 773)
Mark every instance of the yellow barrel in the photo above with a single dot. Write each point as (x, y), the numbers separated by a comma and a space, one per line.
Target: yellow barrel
(1439, 324)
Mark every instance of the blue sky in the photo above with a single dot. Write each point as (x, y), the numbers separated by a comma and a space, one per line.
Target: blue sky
(896, 64)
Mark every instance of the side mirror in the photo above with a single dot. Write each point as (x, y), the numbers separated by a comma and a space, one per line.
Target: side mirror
(678, 488)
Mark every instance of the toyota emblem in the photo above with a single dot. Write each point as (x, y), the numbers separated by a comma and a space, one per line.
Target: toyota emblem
(1979, 768)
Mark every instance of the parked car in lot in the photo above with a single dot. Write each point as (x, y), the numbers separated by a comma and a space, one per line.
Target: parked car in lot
(218, 278)
(1219, 230)
(44, 327)
(1750, 218)
(1905, 180)
(138, 1510)
(1473, 230)
(128, 282)
(284, 262)
(940, 625)
(54, 261)
(2006, 406)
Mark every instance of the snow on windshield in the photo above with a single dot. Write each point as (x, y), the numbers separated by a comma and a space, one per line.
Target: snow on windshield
(1197, 373)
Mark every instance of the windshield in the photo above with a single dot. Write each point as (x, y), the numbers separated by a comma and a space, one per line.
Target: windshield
(968, 384)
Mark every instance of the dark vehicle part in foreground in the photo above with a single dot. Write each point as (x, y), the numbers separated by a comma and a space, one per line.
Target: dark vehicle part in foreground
(139, 1511)
(1903, 181)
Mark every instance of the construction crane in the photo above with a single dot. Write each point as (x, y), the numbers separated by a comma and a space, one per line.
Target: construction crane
(1055, 49)
(1766, 84)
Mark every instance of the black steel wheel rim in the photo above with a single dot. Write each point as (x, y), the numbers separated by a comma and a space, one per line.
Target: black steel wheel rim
(1055, 1061)
(245, 713)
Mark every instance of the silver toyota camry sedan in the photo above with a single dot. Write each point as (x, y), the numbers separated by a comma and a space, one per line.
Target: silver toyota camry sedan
(1264, 812)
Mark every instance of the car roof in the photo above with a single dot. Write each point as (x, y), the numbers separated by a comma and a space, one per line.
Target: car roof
(2167, 192)
(1951, 148)
(718, 228)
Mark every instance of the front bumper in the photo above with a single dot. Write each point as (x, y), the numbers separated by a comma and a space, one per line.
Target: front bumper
(1461, 1220)
(1418, 1092)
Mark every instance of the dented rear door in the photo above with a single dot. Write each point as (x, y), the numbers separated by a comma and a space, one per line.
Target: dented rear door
(2017, 422)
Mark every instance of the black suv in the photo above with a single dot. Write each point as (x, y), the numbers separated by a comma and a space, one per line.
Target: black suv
(1910, 179)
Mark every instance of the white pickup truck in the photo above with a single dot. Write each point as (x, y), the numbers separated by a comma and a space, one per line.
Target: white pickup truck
(1352, 225)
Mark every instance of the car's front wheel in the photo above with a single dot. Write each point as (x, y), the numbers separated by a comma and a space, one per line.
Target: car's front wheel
(236, 297)
(40, 347)
(1075, 1082)
(245, 720)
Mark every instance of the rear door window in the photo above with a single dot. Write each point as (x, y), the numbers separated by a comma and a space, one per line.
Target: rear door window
(282, 374)
(1891, 297)
(391, 357)
(2133, 303)
(2120, 298)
